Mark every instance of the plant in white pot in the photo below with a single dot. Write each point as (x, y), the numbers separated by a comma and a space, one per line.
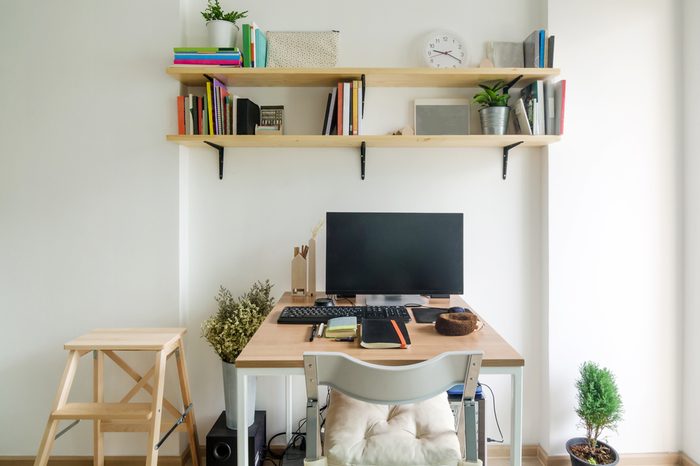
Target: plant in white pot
(599, 408)
(221, 27)
(229, 330)
(494, 110)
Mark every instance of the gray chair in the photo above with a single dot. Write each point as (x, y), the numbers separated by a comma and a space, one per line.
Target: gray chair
(406, 388)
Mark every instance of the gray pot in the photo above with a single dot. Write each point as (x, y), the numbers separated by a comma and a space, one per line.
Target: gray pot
(230, 396)
(494, 120)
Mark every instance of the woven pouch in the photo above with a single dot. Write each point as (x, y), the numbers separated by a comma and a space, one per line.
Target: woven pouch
(298, 49)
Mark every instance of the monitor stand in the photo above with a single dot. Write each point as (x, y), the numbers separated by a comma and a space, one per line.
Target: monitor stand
(394, 299)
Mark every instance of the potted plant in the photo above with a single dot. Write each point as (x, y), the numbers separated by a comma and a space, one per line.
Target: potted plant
(221, 27)
(494, 110)
(229, 330)
(599, 408)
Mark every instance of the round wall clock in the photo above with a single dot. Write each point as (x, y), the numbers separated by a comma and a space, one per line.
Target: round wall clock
(443, 50)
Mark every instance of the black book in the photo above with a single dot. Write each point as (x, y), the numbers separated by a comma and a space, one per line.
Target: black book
(550, 52)
(384, 333)
(324, 130)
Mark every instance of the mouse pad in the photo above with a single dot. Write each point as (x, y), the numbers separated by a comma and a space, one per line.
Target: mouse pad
(427, 315)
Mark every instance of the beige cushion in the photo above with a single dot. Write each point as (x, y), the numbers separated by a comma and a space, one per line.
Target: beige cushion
(364, 434)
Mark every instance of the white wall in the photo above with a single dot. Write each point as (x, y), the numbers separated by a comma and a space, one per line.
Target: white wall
(613, 218)
(88, 198)
(691, 323)
(244, 227)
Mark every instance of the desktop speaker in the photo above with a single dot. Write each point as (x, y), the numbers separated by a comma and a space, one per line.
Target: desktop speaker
(221, 442)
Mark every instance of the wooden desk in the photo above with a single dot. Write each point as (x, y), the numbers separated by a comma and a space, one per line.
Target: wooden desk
(277, 349)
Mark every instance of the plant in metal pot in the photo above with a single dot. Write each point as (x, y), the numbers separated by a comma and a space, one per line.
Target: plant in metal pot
(599, 408)
(494, 110)
(229, 330)
(221, 25)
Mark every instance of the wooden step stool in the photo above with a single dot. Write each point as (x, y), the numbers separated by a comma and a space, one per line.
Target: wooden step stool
(124, 416)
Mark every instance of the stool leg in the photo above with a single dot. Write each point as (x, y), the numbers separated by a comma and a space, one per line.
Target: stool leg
(42, 457)
(186, 400)
(156, 408)
(98, 397)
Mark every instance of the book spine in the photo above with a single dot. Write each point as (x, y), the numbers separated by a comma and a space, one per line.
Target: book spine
(181, 114)
(360, 109)
(246, 45)
(207, 62)
(346, 109)
(200, 104)
(253, 29)
(340, 109)
(562, 106)
(210, 110)
(326, 115)
(542, 47)
(355, 106)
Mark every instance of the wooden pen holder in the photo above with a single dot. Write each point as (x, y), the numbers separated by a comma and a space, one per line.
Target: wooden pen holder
(299, 286)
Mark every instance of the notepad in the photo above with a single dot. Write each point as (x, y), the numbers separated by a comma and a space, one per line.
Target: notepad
(384, 333)
(341, 327)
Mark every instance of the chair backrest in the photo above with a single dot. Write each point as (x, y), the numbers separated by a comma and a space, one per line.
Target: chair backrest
(392, 384)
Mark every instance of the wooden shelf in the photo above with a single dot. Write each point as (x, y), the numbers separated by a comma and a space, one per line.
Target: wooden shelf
(193, 75)
(370, 140)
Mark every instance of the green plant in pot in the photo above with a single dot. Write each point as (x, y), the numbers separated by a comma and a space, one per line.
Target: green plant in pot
(494, 110)
(599, 408)
(221, 26)
(229, 331)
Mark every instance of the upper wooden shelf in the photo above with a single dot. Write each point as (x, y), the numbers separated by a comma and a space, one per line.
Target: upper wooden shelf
(476, 140)
(192, 75)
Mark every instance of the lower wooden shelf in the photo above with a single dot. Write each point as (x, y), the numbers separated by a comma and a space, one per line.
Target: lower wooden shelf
(370, 140)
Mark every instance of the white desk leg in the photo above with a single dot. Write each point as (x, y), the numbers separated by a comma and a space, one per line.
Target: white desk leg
(241, 416)
(516, 427)
(288, 406)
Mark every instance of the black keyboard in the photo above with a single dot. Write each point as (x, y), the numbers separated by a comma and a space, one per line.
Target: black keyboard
(321, 314)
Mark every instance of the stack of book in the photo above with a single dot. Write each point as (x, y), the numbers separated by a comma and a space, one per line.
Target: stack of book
(212, 113)
(540, 108)
(207, 56)
(344, 109)
(254, 46)
(538, 49)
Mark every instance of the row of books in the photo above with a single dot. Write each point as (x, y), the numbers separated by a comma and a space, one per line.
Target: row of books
(254, 46)
(207, 56)
(344, 109)
(538, 50)
(212, 113)
(540, 108)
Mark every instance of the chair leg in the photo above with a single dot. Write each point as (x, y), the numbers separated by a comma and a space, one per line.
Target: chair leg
(98, 396)
(190, 420)
(42, 457)
(156, 409)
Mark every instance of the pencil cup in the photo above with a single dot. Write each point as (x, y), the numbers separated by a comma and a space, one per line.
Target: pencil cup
(299, 275)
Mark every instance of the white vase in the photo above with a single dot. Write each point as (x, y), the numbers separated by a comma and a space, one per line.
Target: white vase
(231, 398)
(222, 33)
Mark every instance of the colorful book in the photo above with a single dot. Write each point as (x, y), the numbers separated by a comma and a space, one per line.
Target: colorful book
(260, 49)
(210, 108)
(208, 56)
(208, 62)
(355, 106)
(521, 122)
(340, 109)
(253, 32)
(341, 327)
(205, 49)
(246, 45)
(181, 114)
(541, 43)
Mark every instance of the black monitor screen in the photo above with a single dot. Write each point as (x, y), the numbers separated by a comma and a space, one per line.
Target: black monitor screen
(394, 253)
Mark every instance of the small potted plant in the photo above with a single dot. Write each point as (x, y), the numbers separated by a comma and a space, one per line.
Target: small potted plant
(229, 330)
(599, 408)
(221, 27)
(494, 110)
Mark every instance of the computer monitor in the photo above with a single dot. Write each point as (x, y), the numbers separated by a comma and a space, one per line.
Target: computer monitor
(394, 254)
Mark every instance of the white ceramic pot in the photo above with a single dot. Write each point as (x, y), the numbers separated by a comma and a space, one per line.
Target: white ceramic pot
(230, 396)
(222, 33)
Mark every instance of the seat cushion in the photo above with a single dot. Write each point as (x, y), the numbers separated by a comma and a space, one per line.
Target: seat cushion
(364, 434)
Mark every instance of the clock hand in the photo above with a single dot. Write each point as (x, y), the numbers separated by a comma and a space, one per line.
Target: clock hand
(449, 54)
(443, 53)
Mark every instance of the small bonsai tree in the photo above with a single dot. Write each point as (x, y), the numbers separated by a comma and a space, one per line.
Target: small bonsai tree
(599, 408)
(215, 12)
(232, 327)
(492, 96)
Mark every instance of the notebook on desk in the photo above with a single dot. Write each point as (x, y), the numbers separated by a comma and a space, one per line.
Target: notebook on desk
(384, 333)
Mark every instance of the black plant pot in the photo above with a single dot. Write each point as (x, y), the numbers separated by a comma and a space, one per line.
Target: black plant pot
(576, 461)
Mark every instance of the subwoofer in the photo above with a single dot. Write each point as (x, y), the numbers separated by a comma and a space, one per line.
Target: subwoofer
(221, 442)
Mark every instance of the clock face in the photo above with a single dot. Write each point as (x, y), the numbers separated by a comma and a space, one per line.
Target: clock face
(444, 50)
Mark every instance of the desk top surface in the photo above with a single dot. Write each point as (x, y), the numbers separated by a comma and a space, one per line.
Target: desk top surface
(282, 345)
(126, 339)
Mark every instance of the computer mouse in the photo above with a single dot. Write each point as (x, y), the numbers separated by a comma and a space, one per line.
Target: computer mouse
(455, 309)
(323, 302)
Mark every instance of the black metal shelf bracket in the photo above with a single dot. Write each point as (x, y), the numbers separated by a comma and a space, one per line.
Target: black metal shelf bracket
(507, 149)
(363, 155)
(220, 149)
